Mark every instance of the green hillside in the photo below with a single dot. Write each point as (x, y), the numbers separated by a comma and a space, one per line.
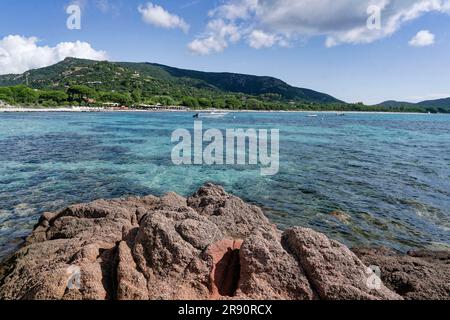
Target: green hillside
(146, 82)
(247, 84)
(434, 106)
(439, 103)
(77, 81)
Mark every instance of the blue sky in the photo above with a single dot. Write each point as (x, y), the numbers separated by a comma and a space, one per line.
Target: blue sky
(329, 52)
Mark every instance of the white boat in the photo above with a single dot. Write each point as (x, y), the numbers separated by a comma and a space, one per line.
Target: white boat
(312, 115)
(213, 114)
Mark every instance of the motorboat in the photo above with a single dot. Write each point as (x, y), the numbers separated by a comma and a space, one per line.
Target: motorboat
(212, 114)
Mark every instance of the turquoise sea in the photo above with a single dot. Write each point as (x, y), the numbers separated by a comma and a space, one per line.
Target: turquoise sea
(389, 172)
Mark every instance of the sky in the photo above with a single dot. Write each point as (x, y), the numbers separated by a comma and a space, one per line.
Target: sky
(355, 50)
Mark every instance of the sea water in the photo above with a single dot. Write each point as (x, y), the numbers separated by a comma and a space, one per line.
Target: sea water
(390, 173)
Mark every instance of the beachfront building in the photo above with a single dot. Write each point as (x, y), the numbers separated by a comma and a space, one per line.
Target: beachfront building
(160, 107)
(178, 108)
(148, 107)
(110, 104)
(114, 106)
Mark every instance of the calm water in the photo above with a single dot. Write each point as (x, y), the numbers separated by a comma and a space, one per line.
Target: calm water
(390, 173)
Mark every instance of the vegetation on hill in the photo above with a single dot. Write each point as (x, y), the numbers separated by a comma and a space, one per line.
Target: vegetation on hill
(433, 106)
(80, 82)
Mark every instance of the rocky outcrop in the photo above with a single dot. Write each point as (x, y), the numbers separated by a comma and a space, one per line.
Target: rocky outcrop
(211, 245)
(418, 275)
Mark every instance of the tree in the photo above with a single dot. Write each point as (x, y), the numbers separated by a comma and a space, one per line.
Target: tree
(6, 95)
(56, 96)
(233, 103)
(6, 91)
(164, 100)
(253, 104)
(219, 104)
(136, 95)
(116, 97)
(6, 99)
(204, 103)
(80, 93)
(24, 94)
(191, 102)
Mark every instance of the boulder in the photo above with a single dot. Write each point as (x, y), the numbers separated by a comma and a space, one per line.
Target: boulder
(418, 275)
(211, 245)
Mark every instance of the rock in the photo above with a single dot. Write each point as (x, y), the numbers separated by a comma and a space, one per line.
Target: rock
(211, 245)
(229, 213)
(226, 268)
(419, 275)
(131, 283)
(335, 272)
(268, 271)
(341, 216)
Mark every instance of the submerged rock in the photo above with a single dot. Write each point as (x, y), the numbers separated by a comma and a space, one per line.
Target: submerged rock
(341, 216)
(211, 245)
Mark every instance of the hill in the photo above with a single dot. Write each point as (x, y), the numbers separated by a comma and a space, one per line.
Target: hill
(439, 105)
(155, 79)
(78, 81)
(443, 103)
(248, 84)
(394, 104)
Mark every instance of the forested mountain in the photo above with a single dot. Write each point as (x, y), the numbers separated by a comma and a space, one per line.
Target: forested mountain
(78, 81)
(439, 105)
(152, 80)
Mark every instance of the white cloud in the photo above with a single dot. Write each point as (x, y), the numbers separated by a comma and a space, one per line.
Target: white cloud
(207, 45)
(159, 17)
(216, 38)
(259, 39)
(340, 22)
(233, 10)
(422, 39)
(19, 54)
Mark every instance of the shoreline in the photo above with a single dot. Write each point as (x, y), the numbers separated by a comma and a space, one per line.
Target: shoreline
(98, 110)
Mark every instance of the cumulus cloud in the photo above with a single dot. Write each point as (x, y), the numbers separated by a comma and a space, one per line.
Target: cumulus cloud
(259, 39)
(207, 45)
(160, 17)
(19, 54)
(233, 10)
(394, 14)
(216, 38)
(266, 23)
(422, 39)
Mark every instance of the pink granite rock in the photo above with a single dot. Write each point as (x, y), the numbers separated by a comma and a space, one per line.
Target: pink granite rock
(211, 245)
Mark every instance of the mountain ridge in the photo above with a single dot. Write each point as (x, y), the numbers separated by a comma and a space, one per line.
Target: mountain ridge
(226, 82)
(443, 104)
(79, 81)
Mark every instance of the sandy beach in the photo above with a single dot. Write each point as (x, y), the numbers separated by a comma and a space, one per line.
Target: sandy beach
(11, 109)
